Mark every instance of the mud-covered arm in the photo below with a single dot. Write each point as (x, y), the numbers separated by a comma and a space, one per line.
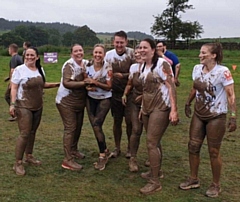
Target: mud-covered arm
(105, 86)
(14, 89)
(232, 123)
(191, 96)
(51, 84)
(231, 98)
(128, 87)
(68, 82)
(127, 90)
(177, 70)
(172, 94)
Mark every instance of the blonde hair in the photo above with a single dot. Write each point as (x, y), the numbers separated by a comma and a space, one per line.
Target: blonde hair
(100, 45)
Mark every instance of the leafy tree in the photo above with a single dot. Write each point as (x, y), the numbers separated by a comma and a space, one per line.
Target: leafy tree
(191, 30)
(85, 36)
(170, 25)
(37, 35)
(67, 39)
(54, 37)
(10, 37)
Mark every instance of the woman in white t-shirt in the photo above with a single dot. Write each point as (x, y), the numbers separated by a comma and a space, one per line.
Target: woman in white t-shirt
(99, 84)
(27, 83)
(213, 90)
(159, 107)
(71, 102)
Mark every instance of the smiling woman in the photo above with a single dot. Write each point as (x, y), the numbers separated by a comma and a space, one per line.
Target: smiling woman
(213, 88)
(159, 107)
(27, 83)
(70, 102)
(99, 84)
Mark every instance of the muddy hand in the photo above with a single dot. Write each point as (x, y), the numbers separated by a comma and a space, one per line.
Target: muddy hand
(232, 124)
(188, 111)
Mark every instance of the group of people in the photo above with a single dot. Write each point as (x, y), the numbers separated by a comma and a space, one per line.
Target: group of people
(138, 86)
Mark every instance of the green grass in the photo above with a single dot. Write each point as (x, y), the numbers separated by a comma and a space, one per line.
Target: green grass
(50, 183)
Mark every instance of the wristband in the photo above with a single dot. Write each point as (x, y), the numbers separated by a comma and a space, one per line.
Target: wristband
(124, 96)
(12, 104)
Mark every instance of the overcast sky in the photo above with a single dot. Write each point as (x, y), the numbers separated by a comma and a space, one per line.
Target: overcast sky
(220, 18)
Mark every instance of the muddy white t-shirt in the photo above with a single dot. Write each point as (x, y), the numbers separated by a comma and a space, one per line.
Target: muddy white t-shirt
(133, 69)
(211, 97)
(155, 92)
(120, 64)
(30, 87)
(72, 98)
(134, 74)
(103, 75)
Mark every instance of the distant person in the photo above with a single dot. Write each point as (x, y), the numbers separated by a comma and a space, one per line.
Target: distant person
(70, 102)
(161, 46)
(15, 61)
(26, 45)
(161, 54)
(159, 107)
(134, 85)
(99, 85)
(213, 91)
(121, 58)
(27, 83)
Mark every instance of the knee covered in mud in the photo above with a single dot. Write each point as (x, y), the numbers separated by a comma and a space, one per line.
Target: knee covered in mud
(194, 147)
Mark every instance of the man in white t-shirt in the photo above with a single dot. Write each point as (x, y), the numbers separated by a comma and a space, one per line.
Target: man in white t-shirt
(121, 58)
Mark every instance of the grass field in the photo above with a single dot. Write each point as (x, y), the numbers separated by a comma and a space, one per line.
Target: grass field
(50, 183)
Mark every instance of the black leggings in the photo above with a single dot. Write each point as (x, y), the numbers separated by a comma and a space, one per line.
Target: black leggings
(97, 110)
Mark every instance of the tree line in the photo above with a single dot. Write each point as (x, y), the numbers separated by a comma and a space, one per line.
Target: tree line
(41, 36)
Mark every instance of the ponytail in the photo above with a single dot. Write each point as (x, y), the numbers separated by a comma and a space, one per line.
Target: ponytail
(39, 67)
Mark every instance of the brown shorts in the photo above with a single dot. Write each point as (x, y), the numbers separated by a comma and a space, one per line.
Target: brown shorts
(118, 110)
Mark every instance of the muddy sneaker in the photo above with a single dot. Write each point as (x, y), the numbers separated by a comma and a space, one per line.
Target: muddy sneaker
(190, 183)
(128, 154)
(71, 165)
(147, 175)
(78, 155)
(18, 168)
(101, 163)
(116, 152)
(12, 118)
(133, 166)
(147, 163)
(31, 160)
(107, 152)
(151, 187)
(213, 190)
